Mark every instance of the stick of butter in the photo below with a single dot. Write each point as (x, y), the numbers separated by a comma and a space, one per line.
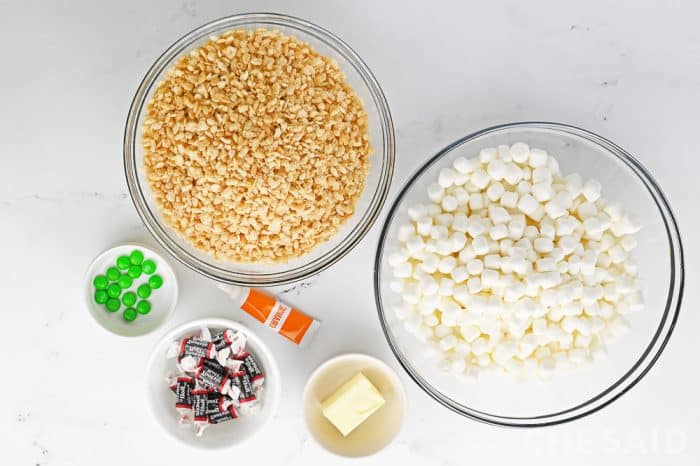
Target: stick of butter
(352, 403)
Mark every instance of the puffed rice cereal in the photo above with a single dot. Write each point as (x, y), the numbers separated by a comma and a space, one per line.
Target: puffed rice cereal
(255, 147)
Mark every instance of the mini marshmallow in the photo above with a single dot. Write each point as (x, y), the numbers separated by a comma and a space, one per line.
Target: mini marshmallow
(524, 187)
(490, 278)
(496, 169)
(424, 225)
(543, 245)
(542, 175)
(465, 166)
(498, 214)
(574, 184)
(466, 254)
(512, 173)
(498, 232)
(449, 203)
(528, 204)
(443, 247)
(405, 232)
(474, 285)
(403, 270)
(480, 246)
(445, 286)
(538, 158)
(428, 285)
(446, 177)
(458, 240)
(542, 191)
(488, 154)
(444, 219)
(480, 178)
(435, 192)
(492, 261)
(461, 179)
(397, 257)
(476, 201)
(461, 195)
(438, 232)
(459, 274)
(520, 152)
(591, 190)
(504, 153)
(531, 232)
(447, 264)
(495, 191)
(546, 265)
(509, 199)
(430, 263)
(459, 223)
(416, 211)
(475, 267)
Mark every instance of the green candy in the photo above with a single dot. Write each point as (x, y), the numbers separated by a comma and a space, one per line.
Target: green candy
(114, 290)
(123, 262)
(136, 257)
(129, 298)
(155, 282)
(113, 305)
(134, 271)
(144, 291)
(148, 266)
(129, 314)
(101, 296)
(100, 282)
(125, 281)
(143, 307)
(113, 274)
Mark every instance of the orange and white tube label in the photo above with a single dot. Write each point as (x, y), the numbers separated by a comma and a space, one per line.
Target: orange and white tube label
(289, 322)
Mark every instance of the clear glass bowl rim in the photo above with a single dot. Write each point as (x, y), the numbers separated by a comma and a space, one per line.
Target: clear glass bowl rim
(306, 269)
(652, 351)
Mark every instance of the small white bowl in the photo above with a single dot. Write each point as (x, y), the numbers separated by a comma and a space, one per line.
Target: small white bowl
(378, 430)
(225, 435)
(162, 300)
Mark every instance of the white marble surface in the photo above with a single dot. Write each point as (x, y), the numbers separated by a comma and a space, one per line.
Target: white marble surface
(72, 393)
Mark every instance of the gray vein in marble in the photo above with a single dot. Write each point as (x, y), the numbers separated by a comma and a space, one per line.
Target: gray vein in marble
(66, 197)
(297, 288)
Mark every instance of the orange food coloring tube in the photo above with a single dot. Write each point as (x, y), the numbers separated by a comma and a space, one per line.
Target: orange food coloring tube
(289, 322)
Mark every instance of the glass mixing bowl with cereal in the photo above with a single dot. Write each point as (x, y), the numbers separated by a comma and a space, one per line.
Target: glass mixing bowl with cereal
(259, 149)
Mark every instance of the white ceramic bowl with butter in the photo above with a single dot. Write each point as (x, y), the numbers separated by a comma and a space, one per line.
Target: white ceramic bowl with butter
(379, 429)
(225, 435)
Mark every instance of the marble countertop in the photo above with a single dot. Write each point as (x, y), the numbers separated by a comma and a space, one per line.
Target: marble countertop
(73, 394)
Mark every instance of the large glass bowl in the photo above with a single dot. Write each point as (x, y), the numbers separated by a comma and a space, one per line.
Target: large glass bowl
(368, 206)
(571, 395)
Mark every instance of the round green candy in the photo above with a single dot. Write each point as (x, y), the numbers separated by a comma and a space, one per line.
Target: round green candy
(143, 307)
(155, 282)
(125, 281)
(136, 257)
(113, 305)
(113, 274)
(101, 296)
(134, 271)
(100, 282)
(148, 266)
(123, 262)
(129, 314)
(144, 291)
(114, 290)
(129, 298)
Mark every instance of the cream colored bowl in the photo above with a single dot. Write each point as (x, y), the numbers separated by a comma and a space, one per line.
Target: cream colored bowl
(378, 430)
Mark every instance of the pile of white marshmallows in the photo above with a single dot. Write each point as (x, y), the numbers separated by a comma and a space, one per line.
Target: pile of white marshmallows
(513, 267)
